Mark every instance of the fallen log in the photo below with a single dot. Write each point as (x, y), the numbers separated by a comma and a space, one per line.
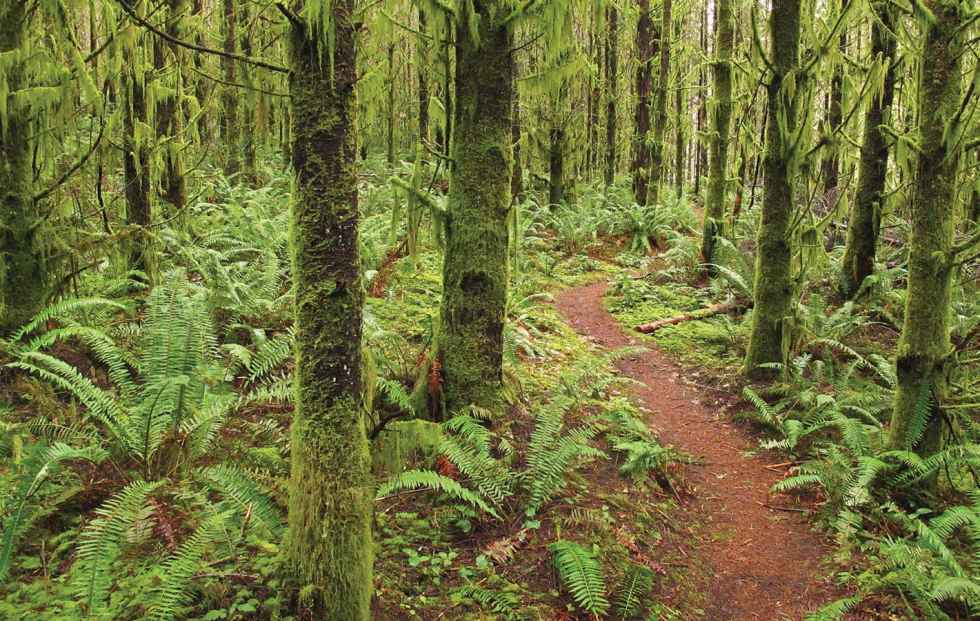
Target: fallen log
(702, 313)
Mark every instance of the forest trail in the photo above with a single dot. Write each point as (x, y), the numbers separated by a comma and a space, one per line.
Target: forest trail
(761, 563)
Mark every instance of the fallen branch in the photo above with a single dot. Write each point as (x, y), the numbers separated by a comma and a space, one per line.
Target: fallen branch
(703, 313)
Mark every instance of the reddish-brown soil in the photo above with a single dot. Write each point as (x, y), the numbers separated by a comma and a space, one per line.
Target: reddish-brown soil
(758, 562)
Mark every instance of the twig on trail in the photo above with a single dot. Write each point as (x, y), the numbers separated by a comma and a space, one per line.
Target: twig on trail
(778, 467)
(778, 508)
(727, 306)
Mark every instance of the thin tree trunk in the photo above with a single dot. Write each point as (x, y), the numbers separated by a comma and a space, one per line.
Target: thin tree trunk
(169, 120)
(773, 278)
(700, 153)
(925, 342)
(640, 167)
(658, 168)
(390, 131)
(23, 282)
(422, 68)
(680, 140)
(835, 112)
(250, 97)
(556, 165)
(714, 215)
(136, 170)
(447, 88)
(864, 223)
(230, 129)
(331, 493)
(612, 90)
(517, 171)
(475, 268)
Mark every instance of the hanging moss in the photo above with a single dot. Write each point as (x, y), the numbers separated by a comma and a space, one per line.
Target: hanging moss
(925, 341)
(773, 279)
(714, 214)
(475, 269)
(22, 269)
(328, 548)
(864, 223)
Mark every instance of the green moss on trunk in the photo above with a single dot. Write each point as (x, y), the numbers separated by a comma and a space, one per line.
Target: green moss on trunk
(136, 171)
(230, 127)
(658, 146)
(475, 267)
(773, 277)
(612, 88)
(865, 219)
(556, 165)
(640, 166)
(328, 549)
(169, 122)
(22, 270)
(925, 341)
(714, 214)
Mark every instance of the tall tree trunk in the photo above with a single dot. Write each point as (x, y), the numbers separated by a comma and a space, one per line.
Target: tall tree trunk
(23, 282)
(331, 492)
(422, 62)
(230, 127)
(925, 342)
(830, 167)
(594, 97)
(640, 167)
(714, 214)
(517, 170)
(136, 171)
(612, 89)
(169, 120)
(773, 278)
(390, 128)
(447, 88)
(680, 140)
(475, 265)
(658, 168)
(250, 98)
(864, 223)
(202, 86)
(700, 153)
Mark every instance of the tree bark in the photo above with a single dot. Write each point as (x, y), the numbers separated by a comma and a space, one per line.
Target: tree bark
(23, 282)
(864, 223)
(612, 90)
(169, 120)
(680, 140)
(714, 215)
(773, 278)
(230, 127)
(658, 172)
(925, 342)
(331, 492)
(640, 167)
(475, 268)
(136, 171)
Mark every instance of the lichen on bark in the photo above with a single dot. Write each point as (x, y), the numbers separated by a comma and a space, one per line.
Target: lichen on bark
(328, 549)
(475, 267)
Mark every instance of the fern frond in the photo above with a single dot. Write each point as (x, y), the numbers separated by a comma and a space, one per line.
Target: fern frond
(236, 485)
(427, 479)
(581, 573)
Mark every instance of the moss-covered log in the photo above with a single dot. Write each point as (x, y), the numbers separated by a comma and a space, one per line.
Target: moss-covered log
(925, 342)
(773, 278)
(475, 266)
(640, 166)
(22, 269)
(328, 549)
(864, 223)
(714, 213)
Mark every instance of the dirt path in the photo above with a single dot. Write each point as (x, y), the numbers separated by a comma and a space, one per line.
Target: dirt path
(762, 563)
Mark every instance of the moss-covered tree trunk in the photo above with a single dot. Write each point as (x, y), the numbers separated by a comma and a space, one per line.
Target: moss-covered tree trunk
(556, 165)
(640, 167)
(136, 170)
(330, 492)
(475, 266)
(422, 69)
(925, 342)
(230, 126)
(864, 223)
(22, 271)
(830, 167)
(714, 213)
(251, 137)
(169, 120)
(517, 171)
(658, 147)
(390, 119)
(680, 114)
(612, 89)
(773, 278)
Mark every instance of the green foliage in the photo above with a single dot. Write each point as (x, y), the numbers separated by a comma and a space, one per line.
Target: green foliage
(581, 573)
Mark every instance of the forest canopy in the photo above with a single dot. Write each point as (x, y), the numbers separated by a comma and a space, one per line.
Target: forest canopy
(489, 309)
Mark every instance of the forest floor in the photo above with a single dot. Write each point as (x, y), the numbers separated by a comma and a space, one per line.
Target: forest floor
(758, 559)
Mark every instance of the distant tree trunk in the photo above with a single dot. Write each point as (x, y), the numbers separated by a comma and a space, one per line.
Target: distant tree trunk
(773, 278)
(249, 137)
(835, 112)
(230, 129)
(714, 214)
(422, 68)
(680, 140)
(640, 168)
(658, 168)
(202, 86)
(612, 90)
(169, 120)
(864, 223)
(136, 170)
(592, 157)
(475, 268)
(390, 133)
(925, 342)
(700, 153)
(331, 494)
(447, 88)
(556, 165)
(23, 276)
